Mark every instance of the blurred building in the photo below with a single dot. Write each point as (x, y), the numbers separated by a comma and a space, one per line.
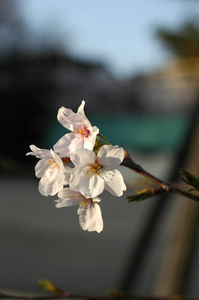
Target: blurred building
(172, 89)
(32, 89)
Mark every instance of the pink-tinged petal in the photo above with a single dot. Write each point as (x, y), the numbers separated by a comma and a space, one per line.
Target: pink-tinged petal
(90, 217)
(81, 112)
(70, 120)
(69, 143)
(94, 131)
(80, 121)
(81, 108)
(68, 193)
(51, 183)
(57, 159)
(85, 184)
(40, 168)
(83, 157)
(62, 146)
(110, 156)
(39, 153)
(76, 143)
(67, 202)
(68, 198)
(89, 141)
(114, 182)
(67, 173)
(64, 116)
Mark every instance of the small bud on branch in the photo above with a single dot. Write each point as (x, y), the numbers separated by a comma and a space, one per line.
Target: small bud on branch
(145, 194)
(166, 187)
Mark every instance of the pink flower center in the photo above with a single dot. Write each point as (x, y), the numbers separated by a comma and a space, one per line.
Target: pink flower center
(83, 132)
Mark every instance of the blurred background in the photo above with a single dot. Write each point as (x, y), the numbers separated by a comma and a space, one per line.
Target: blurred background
(136, 64)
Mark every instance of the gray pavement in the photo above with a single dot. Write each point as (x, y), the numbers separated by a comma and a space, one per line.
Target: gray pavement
(41, 241)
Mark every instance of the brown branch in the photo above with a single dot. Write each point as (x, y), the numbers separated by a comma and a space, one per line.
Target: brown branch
(166, 187)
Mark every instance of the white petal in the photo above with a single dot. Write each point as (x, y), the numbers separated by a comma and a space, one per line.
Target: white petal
(39, 153)
(41, 168)
(70, 142)
(71, 120)
(110, 156)
(68, 198)
(67, 202)
(80, 112)
(96, 187)
(95, 130)
(67, 173)
(114, 182)
(81, 108)
(96, 199)
(76, 143)
(62, 146)
(85, 184)
(78, 178)
(89, 142)
(57, 159)
(64, 116)
(68, 193)
(90, 218)
(51, 183)
(83, 157)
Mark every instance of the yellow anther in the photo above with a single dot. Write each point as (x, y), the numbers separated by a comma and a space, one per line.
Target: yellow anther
(52, 164)
(84, 203)
(94, 169)
(82, 132)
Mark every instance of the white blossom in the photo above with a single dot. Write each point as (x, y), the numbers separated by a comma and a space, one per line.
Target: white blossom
(50, 168)
(94, 173)
(90, 217)
(82, 135)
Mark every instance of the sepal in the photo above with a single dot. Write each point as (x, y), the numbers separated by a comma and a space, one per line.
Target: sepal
(145, 194)
(189, 179)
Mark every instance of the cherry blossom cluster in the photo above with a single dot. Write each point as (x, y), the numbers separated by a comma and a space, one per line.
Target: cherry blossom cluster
(77, 170)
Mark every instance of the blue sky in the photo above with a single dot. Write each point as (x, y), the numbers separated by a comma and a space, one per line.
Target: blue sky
(119, 33)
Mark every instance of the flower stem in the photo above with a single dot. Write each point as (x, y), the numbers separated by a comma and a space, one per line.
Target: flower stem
(166, 187)
(104, 139)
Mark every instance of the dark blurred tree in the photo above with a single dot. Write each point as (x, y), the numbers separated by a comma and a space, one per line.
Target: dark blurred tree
(24, 88)
(16, 37)
(13, 31)
(183, 42)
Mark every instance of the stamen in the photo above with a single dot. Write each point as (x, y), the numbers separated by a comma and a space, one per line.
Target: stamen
(82, 132)
(52, 165)
(94, 169)
(84, 203)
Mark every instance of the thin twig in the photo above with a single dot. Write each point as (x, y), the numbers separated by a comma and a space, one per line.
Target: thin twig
(166, 187)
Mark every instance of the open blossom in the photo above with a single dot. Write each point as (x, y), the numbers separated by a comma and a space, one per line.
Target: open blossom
(94, 173)
(50, 168)
(89, 212)
(82, 135)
